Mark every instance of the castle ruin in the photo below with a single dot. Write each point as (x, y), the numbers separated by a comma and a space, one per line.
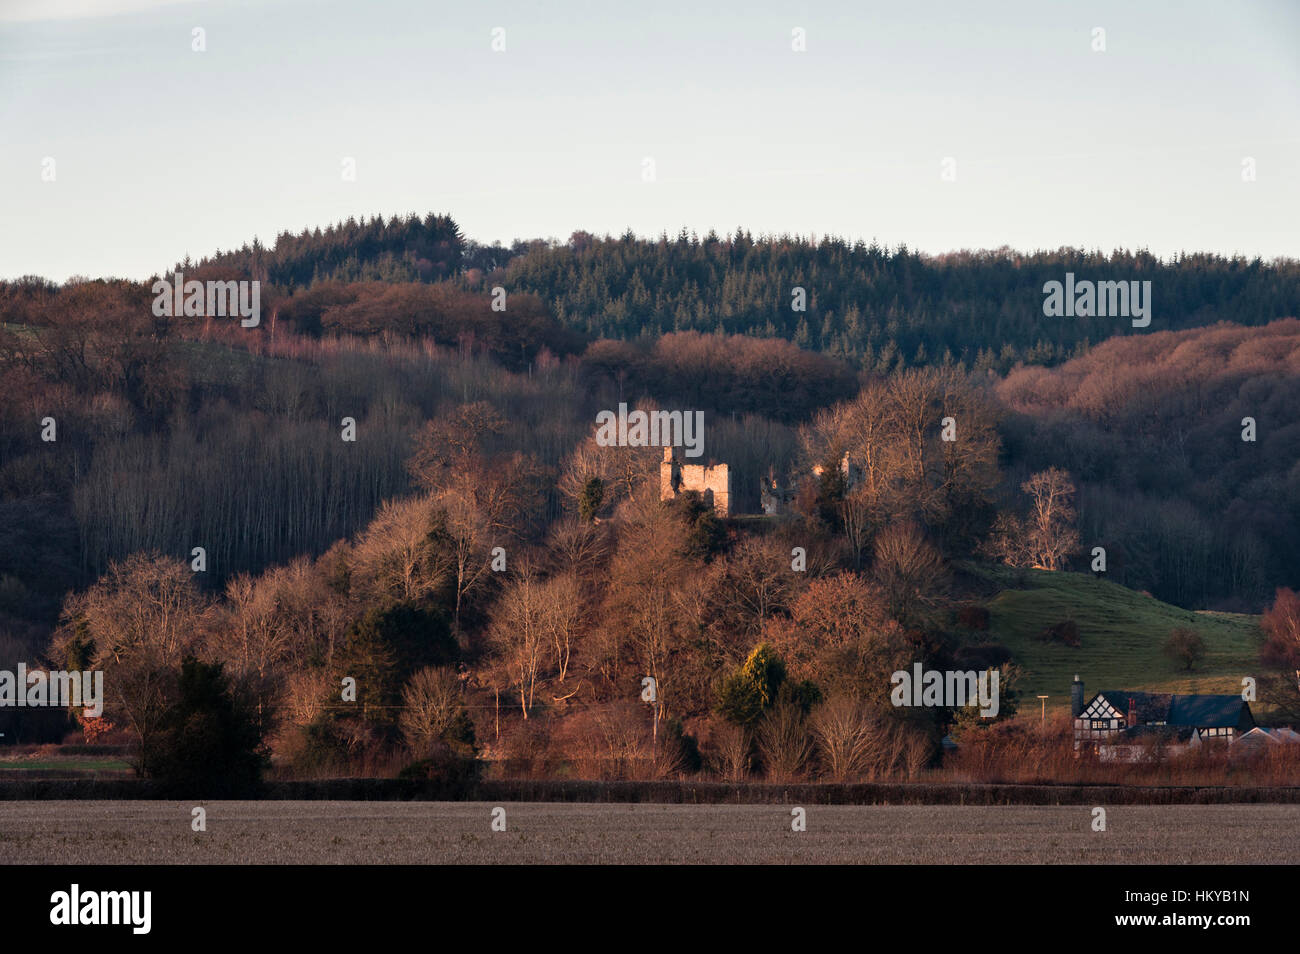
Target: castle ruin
(712, 483)
(777, 498)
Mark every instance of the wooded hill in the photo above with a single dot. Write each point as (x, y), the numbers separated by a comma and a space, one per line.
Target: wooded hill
(474, 425)
(879, 308)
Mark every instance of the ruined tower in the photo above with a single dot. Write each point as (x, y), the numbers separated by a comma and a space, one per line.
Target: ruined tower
(712, 483)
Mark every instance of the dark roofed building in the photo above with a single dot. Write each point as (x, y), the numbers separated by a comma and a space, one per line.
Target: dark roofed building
(1117, 718)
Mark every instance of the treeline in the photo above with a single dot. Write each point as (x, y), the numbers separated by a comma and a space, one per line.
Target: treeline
(880, 308)
(876, 307)
(401, 249)
(1192, 502)
(515, 332)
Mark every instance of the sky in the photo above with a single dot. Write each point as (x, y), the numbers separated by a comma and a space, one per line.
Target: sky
(161, 151)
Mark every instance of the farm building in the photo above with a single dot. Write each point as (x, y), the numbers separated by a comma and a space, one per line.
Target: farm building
(1125, 725)
(1260, 739)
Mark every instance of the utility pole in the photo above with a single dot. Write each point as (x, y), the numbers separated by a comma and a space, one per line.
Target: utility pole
(1044, 698)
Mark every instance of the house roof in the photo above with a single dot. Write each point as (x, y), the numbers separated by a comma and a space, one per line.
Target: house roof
(1151, 706)
(1206, 711)
(1262, 736)
(1198, 711)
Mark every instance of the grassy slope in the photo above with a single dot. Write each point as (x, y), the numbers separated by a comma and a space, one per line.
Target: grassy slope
(1121, 631)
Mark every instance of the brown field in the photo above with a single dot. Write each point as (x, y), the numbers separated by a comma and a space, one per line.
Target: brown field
(275, 832)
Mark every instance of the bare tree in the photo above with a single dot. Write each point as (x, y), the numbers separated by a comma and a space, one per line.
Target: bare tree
(1185, 646)
(256, 633)
(452, 441)
(579, 547)
(1052, 533)
(397, 556)
(909, 570)
(758, 583)
(432, 700)
(922, 443)
(733, 744)
(562, 617)
(1047, 536)
(648, 569)
(308, 694)
(518, 634)
(784, 743)
(845, 734)
(627, 473)
(1281, 626)
(136, 624)
(484, 506)
(144, 607)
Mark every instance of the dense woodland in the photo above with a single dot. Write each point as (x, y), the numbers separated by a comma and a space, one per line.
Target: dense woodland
(877, 307)
(373, 559)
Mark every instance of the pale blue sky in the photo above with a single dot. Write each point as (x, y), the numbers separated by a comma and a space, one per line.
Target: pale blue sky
(161, 151)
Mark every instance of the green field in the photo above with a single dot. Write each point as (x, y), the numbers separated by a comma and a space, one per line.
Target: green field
(61, 766)
(1121, 631)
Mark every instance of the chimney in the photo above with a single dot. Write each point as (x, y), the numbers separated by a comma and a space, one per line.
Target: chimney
(1132, 712)
(1076, 697)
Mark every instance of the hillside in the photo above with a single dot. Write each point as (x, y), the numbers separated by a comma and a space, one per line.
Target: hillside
(1151, 429)
(1122, 632)
(879, 308)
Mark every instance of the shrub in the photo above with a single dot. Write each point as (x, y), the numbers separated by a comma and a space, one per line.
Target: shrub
(526, 747)
(316, 748)
(208, 744)
(1064, 633)
(784, 743)
(589, 503)
(981, 657)
(732, 752)
(1185, 646)
(974, 618)
(705, 533)
(452, 774)
(434, 712)
(748, 692)
(686, 747)
(846, 737)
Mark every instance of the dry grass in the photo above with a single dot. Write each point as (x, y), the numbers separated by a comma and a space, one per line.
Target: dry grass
(1019, 752)
(459, 833)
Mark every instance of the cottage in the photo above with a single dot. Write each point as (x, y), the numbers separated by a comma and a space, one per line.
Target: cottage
(1124, 725)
